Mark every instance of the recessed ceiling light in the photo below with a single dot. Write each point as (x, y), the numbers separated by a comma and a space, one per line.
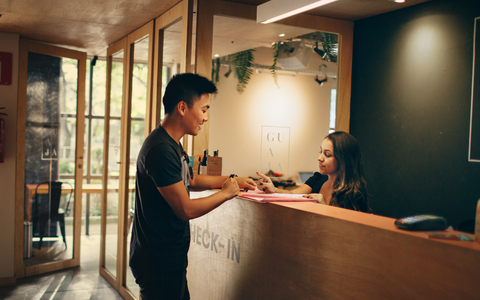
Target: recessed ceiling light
(397, 1)
(216, 55)
(281, 35)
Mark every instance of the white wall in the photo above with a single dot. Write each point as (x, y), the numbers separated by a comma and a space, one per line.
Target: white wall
(299, 103)
(8, 98)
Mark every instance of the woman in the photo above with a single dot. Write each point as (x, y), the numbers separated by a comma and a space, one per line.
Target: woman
(340, 182)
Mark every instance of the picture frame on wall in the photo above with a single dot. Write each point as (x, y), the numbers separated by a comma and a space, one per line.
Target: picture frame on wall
(474, 137)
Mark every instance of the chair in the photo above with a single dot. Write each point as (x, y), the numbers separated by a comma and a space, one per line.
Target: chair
(47, 208)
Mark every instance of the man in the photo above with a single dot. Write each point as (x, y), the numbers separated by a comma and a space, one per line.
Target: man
(161, 231)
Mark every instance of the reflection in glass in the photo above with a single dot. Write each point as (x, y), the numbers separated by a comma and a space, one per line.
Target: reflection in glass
(113, 167)
(50, 158)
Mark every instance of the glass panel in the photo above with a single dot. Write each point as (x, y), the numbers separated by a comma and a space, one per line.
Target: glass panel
(296, 97)
(137, 134)
(50, 158)
(93, 153)
(171, 56)
(113, 168)
(99, 84)
(96, 139)
(86, 145)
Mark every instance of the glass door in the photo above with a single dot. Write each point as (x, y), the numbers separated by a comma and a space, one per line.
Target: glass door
(49, 169)
(140, 94)
(116, 68)
(129, 78)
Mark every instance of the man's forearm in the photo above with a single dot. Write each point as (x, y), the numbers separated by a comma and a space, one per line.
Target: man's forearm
(205, 182)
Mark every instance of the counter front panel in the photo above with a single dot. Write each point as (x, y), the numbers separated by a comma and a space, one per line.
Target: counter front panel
(248, 250)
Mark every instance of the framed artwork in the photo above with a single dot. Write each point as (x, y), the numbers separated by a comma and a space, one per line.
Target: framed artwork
(474, 142)
(275, 150)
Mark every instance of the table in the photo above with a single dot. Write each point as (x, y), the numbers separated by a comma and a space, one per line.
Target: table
(87, 188)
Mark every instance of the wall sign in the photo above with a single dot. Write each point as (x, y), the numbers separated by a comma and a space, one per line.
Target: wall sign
(474, 143)
(6, 60)
(50, 144)
(275, 149)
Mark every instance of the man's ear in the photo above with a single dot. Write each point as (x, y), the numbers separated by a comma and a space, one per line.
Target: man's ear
(181, 107)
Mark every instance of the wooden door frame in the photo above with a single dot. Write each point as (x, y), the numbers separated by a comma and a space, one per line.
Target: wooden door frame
(36, 47)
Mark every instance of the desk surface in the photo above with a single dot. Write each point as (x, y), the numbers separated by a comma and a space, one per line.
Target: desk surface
(86, 188)
(372, 220)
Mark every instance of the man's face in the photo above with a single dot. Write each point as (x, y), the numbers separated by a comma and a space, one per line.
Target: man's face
(197, 114)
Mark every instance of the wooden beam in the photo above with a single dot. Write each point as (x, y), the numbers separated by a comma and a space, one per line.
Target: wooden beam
(235, 10)
(203, 61)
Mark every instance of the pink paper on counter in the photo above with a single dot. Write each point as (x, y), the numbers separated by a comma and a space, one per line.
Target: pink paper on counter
(260, 196)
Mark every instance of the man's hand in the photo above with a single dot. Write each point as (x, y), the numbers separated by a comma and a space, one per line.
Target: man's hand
(230, 188)
(246, 183)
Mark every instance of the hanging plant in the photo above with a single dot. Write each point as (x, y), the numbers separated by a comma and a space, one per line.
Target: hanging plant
(276, 48)
(273, 67)
(327, 44)
(215, 70)
(242, 64)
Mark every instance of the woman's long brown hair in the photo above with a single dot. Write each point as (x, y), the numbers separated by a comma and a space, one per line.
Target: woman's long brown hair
(349, 190)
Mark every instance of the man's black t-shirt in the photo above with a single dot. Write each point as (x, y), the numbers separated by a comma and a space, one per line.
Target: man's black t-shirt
(160, 239)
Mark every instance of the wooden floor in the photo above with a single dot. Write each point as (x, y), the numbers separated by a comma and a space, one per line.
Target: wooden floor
(82, 282)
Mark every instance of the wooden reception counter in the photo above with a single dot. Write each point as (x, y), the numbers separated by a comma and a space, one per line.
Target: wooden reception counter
(248, 250)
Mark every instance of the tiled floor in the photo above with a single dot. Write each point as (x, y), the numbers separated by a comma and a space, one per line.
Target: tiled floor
(78, 283)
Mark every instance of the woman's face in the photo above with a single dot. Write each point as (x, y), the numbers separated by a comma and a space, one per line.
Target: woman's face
(326, 161)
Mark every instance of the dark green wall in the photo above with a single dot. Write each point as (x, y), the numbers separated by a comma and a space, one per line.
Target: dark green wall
(410, 109)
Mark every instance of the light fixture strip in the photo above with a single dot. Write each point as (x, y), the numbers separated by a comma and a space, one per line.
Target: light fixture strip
(275, 10)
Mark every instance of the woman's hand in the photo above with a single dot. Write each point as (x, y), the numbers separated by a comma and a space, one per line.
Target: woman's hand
(318, 197)
(265, 184)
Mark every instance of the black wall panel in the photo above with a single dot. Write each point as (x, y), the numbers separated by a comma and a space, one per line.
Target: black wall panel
(410, 110)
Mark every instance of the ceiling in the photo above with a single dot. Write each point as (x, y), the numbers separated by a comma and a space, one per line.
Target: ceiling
(92, 25)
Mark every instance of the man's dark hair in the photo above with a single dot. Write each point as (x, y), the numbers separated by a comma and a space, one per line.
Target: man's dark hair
(186, 87)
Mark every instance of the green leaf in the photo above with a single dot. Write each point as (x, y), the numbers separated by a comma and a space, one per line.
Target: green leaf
(273, 67)
(242, 64)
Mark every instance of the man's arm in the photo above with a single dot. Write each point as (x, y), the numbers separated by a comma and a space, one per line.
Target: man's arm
(177, 197)
(205, 182)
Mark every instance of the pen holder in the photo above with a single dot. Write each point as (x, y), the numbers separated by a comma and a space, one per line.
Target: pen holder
(477, 223)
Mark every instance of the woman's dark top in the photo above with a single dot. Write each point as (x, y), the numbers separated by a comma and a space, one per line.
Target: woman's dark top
(316, 182)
